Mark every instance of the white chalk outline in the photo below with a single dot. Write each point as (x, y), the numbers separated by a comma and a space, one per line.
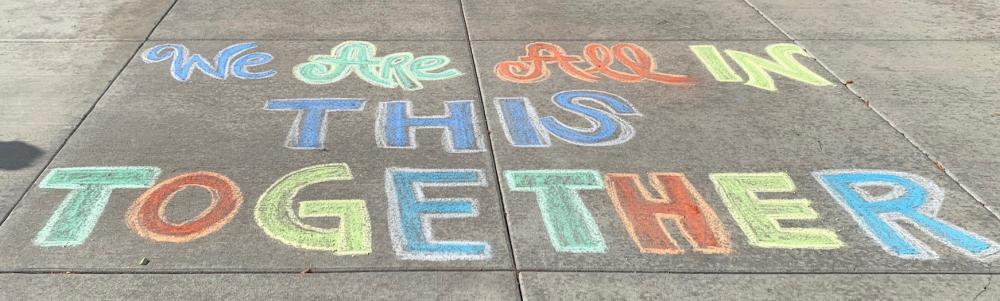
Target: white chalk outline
(627, 131)
(930, 207)
(411, 131)
(395, 221)
(293, 132)
(543, 133)
(215, 59)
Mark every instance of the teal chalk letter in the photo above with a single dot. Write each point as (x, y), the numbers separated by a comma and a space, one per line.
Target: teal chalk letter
(76, 216)
(570, 226)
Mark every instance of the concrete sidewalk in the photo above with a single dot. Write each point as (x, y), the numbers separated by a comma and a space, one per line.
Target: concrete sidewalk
(498, 150)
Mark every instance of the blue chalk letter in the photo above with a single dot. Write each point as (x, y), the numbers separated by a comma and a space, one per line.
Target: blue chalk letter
(607, 128)
(309, 129)
(520, 122)
(412, 239)
(396, 126)
(912, 199)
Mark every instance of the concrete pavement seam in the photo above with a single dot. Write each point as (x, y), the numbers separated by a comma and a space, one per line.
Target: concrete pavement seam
(82, 119)
(885, 118)
(489, 143)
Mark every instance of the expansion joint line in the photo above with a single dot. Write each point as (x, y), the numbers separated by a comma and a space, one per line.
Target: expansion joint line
(937, 163)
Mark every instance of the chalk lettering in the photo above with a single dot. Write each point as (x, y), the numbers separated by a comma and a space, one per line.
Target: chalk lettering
(308, 131)
(410, 213)
(399, 69)
(146, 215)
(644, 214)
(912, 199)
(227, 59)
(274, 213)
(533, 66)
(759, 218)
(524, 128)
(396, 126)
(75, 218)
(782, 62)
(568, 222)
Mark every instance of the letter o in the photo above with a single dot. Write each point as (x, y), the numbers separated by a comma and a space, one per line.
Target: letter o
(146, 214)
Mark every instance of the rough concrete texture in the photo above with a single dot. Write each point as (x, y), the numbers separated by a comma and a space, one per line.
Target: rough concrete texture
(86, 20)
(47, 90)
(885, 20)
(931, 91)
(337, 286)
(625, 286)
(903, 86)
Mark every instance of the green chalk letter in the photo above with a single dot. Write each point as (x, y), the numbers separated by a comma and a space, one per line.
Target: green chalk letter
(570, 226)
(716, 64)
(275, 214)
(76, 216)
(759, 218)
(783, 63)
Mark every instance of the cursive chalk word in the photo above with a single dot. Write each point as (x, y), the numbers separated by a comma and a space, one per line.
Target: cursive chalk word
(227, 59)
(399, 69)
(533, 66)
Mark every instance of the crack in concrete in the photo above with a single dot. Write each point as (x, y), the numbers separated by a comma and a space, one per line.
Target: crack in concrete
(937, 163)
(989, 281)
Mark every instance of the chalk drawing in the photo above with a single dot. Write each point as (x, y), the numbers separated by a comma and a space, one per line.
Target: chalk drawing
(411, 214)
(759, 219)
(914, 200)
(533, 66)
(182, 64)
(644, 215)
(399, 69)
(524, 128)
(782, 62)
(147, 214)
(308, 131)
(396, 126)
(568, 222)
(275, 213)
(75, 218)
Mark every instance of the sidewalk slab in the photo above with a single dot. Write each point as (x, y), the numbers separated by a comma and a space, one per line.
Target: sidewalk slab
(150, 119)
(718, 127)
(47, 89)
(314, 20)
(87, 19)
(338, 286)
(629, 20)
(655, 286)
(942, 94)
(885, 20)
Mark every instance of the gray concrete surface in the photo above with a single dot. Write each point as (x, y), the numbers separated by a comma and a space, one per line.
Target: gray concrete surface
(885, 20)
(47, 90)
(339, 286)
(931, 91)
(625, 286)
(920, 100)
